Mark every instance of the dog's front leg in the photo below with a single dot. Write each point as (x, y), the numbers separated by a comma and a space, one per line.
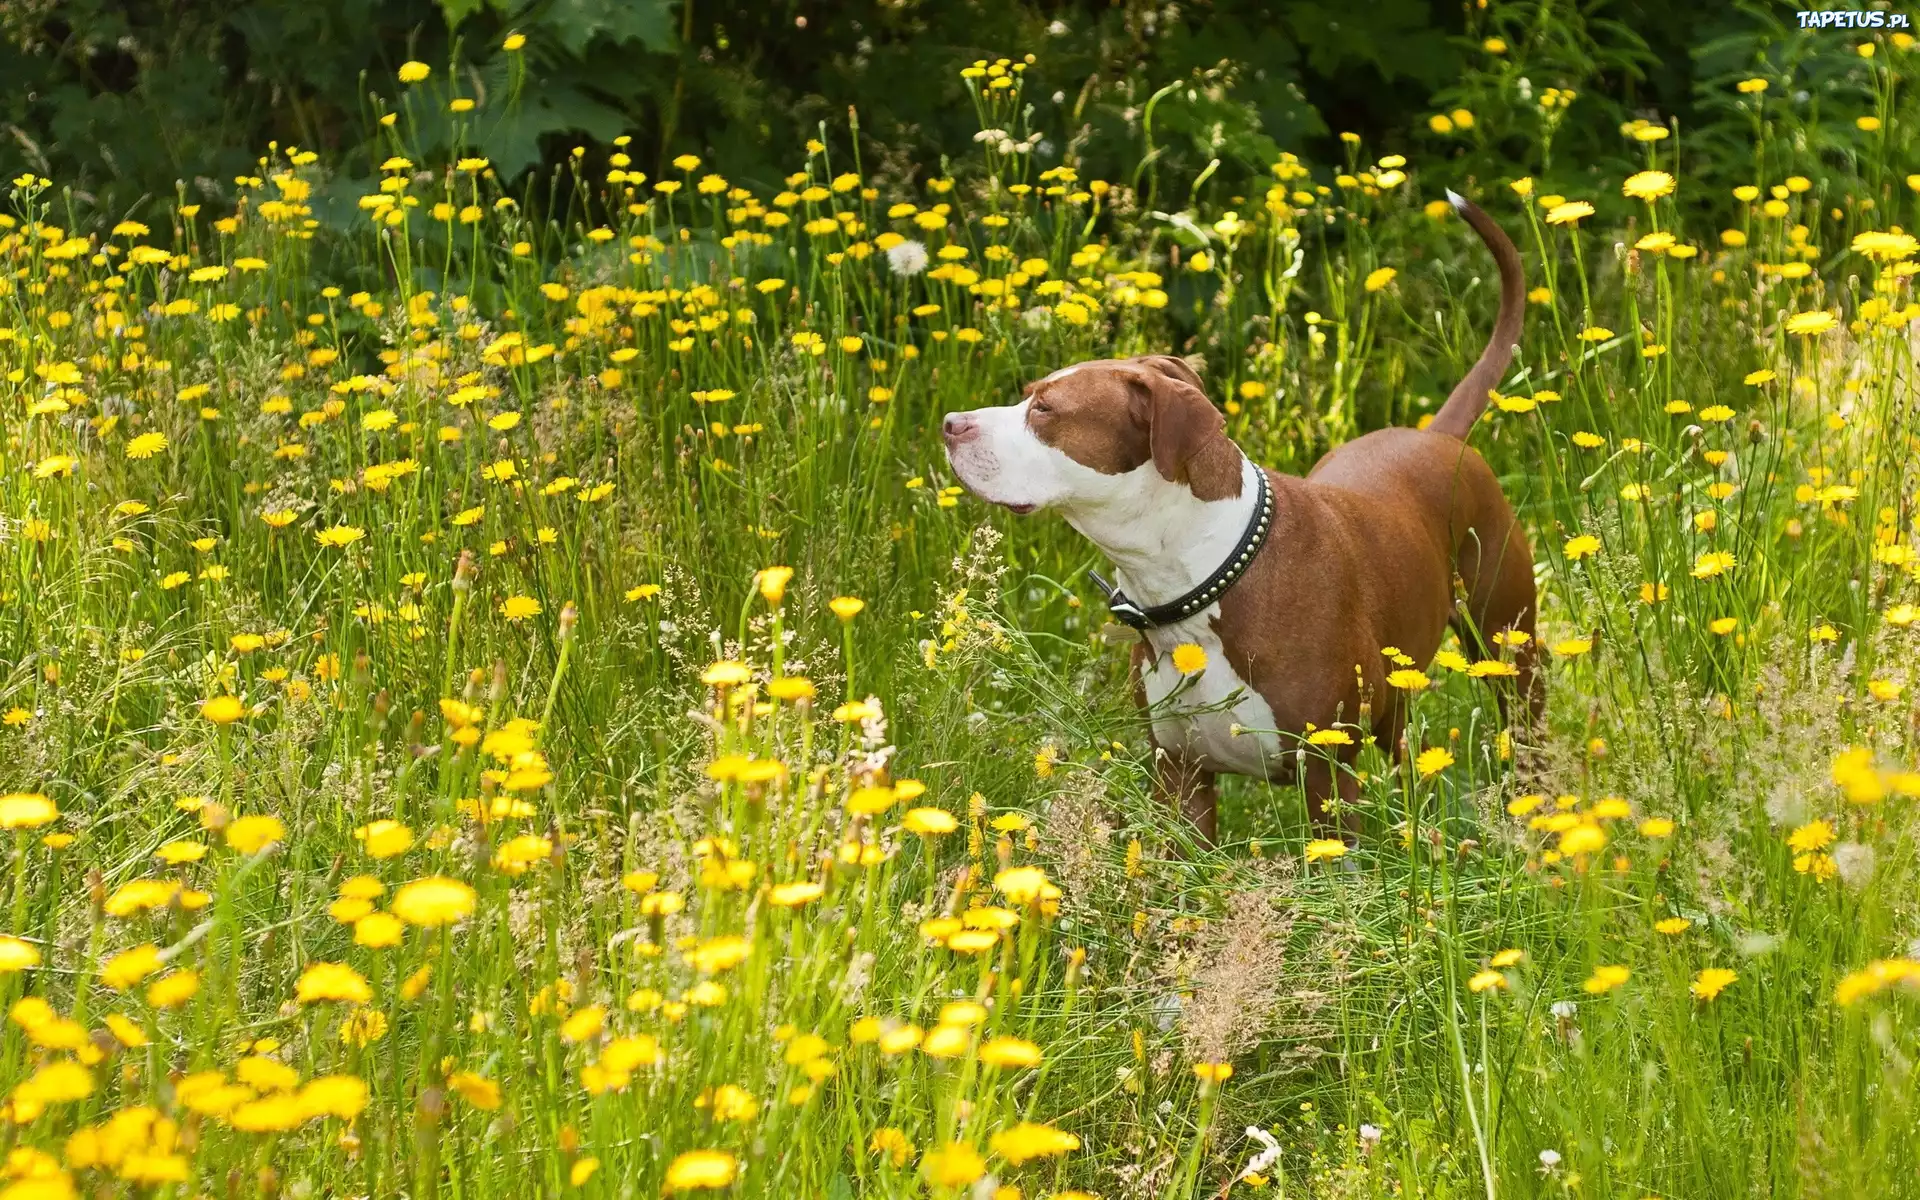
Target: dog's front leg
(1178, 782)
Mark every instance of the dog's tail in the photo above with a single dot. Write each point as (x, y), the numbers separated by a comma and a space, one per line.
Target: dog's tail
(1469, 398)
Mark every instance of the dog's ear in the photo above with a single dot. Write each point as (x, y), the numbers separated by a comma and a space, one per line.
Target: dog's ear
(1173, 368)
(1185, 433)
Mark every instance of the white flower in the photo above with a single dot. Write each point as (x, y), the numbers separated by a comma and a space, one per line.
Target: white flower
(1563, 1009)
(1369, 1134)
(1268, 1155)
(1549, 1159)
(907, 258)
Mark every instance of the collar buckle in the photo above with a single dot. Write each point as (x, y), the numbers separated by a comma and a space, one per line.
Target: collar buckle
(1123, 609)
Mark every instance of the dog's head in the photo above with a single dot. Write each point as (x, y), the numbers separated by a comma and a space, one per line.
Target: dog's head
(1109, 432)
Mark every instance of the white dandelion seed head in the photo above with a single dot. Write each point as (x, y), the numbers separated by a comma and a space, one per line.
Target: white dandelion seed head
(907, 258)
(1853, 862)
(1786, 806)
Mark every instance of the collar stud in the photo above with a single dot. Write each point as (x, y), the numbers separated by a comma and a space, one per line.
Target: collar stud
(1129, 613)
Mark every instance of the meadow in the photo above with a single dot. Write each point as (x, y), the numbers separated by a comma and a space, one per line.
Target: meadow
(507, 698)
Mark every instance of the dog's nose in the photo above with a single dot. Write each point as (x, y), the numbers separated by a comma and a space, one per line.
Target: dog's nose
(958, 428)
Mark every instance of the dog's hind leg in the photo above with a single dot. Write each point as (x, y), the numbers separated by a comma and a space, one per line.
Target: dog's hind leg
(1501, 599)
(1333, 796)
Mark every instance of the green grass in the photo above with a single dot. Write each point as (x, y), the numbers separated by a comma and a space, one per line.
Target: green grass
(487, 561)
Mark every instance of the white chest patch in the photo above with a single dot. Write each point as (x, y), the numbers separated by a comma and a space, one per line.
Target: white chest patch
(1195, 715)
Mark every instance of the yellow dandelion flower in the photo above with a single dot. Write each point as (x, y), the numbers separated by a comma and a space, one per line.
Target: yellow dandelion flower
(1028, 1140)
(1811, 324)
(1605, 979)
(146, 445)
(1009, 1052)
(796, 894)
(1648, 186)
(26, 810)
(17, 955)
(173, 989)
(1713, 563)
(1583, 838)
(433, 901)
(929, 821)
(1325, 848)
(1711, 982)
(956, 1165)
(1189, 658)
(384, 838)
(475, 1089)
(325, 981)
(129, 967)
(223, 710)
(697, 1170)
(250, 835)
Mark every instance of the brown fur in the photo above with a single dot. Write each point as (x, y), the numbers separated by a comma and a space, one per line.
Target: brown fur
(1116, 414)
(1364, 553)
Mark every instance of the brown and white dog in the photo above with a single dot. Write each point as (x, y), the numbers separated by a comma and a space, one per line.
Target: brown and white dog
(1388, 541)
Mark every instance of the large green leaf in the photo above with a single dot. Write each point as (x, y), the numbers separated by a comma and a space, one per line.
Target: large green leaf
(576, 23)
(459, 10)
(513, 144)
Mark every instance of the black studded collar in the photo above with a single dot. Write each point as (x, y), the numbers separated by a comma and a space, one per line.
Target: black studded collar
(1212, 587)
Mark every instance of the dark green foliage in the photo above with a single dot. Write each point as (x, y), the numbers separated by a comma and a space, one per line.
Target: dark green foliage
(129, 96)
